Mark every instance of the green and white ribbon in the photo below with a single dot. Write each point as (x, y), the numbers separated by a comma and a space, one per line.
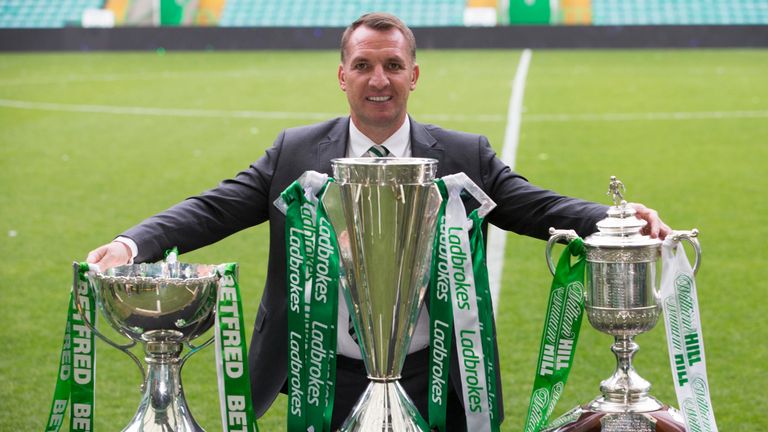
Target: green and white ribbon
(440, 323)
(684, 338)
(76, 377)
(460, 264)
(313, 281)
(231, 355)
(559, 337)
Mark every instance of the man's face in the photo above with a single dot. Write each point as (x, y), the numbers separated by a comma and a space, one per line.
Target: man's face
(378, 74)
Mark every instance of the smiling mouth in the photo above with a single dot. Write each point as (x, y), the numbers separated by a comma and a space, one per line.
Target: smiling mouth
(378, 98)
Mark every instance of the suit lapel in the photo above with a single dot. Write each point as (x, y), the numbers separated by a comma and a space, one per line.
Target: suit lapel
(424, 145)
(334, 146)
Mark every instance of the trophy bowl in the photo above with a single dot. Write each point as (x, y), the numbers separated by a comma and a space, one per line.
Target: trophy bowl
(163, 306)
(143, 301)
(622, 299)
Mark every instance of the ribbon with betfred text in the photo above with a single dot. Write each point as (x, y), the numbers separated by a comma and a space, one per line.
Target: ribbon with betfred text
(77, 363)
(559, 337)
(684, 338)
(231, 355)
(313, 280)
(460, 300)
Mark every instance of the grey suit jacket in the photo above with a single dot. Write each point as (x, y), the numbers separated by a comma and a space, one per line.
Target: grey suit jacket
(246, 200)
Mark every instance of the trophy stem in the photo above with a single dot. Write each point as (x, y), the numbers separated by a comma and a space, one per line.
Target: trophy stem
(163, 406)
(384, 406)
(625, 390)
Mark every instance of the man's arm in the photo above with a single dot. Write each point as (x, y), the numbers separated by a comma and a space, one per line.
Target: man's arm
(198, 221)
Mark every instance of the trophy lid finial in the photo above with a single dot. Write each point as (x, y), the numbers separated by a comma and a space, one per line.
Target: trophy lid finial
(616, 191)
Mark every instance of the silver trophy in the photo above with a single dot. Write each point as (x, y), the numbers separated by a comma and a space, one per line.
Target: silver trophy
(164, 306)
(384, 212)
(622, 300)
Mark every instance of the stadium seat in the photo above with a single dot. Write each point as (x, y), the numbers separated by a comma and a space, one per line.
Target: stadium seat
(338, 13)
(44, 13)
(651, 12)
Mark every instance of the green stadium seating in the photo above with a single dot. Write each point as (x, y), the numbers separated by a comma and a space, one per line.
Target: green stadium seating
(44, 13)
(416, 13)
(650, 12)
(338, 13)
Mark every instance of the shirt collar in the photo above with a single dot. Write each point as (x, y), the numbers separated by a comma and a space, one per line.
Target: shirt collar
(398, 143)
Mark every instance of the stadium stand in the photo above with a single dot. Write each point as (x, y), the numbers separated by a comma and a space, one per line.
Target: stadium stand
(416, 13)
(44, 13)
(209, 11)
(574, 12)
(661, 12)
(118, 9)
(338, 13)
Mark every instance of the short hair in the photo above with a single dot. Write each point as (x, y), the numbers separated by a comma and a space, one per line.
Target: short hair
(379, 21)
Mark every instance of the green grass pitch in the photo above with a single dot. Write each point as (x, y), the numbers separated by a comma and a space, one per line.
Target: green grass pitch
(90, 144)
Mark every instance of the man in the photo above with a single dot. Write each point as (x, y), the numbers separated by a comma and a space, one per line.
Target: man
(378, 71)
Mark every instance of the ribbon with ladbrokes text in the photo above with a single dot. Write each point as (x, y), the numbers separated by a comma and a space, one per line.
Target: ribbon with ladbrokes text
(77, 364)
(313, 280)
(559, 337)
(460, 303)
(684, 338)
(231, 355)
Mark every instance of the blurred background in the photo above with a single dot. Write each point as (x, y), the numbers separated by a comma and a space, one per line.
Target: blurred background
(111, 111)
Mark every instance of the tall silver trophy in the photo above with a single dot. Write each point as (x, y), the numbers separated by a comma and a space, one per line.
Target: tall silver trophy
(622, 300)
(164, 306)
(384, 212)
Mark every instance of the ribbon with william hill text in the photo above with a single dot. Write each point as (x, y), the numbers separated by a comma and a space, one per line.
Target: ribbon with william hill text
(313, 280)
(77, 364)
(231, 355)
(684, 338)
(559, 337)
(460, 301)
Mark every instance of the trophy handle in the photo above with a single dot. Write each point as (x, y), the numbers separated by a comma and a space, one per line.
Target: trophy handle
(555, 236)
(195, 348)
(690, 237)
(123, 348)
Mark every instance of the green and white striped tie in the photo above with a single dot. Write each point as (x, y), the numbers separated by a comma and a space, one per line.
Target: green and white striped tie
(377, 151)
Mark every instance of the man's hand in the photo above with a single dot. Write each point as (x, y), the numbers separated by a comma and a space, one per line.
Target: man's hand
(656, 228)
(110, 255)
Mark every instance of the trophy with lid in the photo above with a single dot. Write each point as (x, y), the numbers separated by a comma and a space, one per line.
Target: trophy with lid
(622, 300)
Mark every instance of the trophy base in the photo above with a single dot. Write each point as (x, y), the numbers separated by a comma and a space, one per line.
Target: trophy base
(176, 419)
(384, 406)
(588, 419)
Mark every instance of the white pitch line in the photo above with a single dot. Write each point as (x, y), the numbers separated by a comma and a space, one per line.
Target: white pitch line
(497, 238)
(288, 115)
(165, 112)
(210, 113)
(649, 116)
